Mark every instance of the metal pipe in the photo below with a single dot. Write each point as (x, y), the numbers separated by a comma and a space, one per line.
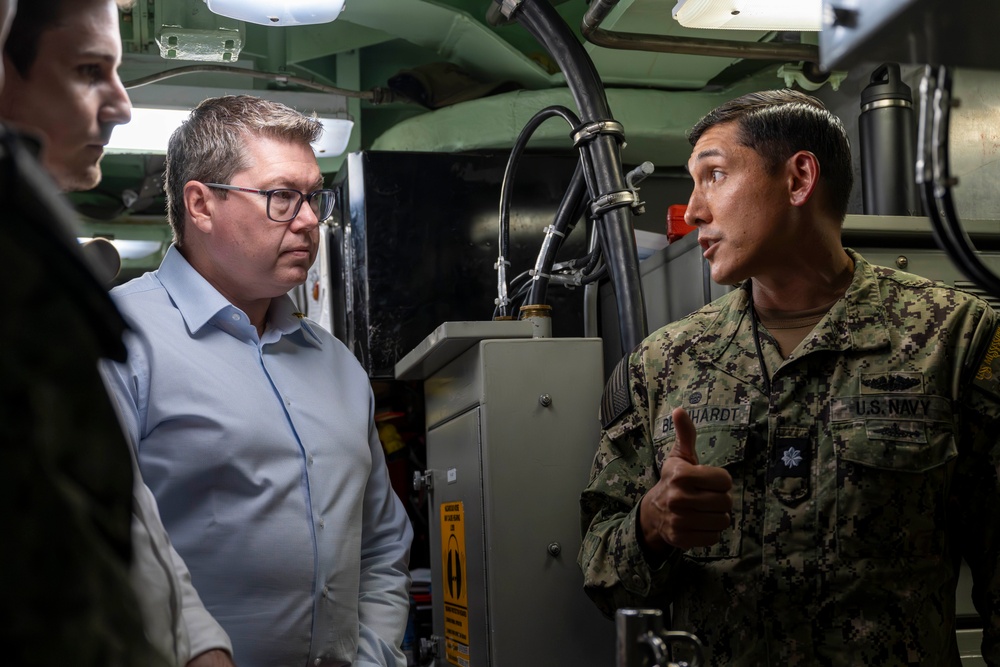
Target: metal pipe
(636, 41)
(375, 95)
(642, 641)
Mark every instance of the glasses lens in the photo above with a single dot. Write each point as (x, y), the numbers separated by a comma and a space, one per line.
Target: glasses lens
(321, 202)
(283, 204)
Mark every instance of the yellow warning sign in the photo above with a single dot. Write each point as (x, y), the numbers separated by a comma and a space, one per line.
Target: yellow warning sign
(455, 594)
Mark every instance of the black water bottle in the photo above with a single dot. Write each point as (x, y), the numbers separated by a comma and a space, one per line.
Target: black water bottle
(888, 162)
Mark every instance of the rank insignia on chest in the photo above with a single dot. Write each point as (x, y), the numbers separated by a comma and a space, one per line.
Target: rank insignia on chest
(789, 471)
(792, 458)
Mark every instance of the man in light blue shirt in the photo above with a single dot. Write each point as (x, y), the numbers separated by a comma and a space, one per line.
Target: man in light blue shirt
(254, 426)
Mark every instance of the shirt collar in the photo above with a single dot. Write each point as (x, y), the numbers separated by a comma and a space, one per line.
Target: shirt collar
(284, 317)
(200, 303)
(195, 298)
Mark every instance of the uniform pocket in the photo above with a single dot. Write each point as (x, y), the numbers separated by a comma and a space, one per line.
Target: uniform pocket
(724, 449)
(893, 482)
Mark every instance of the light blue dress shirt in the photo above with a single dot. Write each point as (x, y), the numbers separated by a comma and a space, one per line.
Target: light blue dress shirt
(263, 456)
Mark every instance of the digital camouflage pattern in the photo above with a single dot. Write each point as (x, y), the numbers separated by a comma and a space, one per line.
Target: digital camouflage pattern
(65, 468)
(858, 484)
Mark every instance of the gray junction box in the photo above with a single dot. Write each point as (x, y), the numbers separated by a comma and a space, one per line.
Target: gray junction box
(512, 427)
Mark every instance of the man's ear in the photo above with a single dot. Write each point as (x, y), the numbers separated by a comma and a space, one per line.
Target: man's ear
(803, 177)
(199, 203)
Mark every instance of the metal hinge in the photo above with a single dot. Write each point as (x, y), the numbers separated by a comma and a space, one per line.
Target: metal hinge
(423, 480)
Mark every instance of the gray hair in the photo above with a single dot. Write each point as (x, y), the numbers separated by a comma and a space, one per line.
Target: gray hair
(210, 146)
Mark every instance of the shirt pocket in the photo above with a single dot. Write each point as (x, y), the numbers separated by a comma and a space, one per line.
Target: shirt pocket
(723, 448)
(893, 483)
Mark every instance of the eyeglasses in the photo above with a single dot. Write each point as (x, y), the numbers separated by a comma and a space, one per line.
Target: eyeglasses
(283, 204)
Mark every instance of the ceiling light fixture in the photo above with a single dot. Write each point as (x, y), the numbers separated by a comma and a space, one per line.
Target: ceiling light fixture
(150, 130)
(278, 12)
(804, 15)
(159, 110)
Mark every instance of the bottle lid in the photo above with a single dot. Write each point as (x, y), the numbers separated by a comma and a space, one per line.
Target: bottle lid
(885, 84)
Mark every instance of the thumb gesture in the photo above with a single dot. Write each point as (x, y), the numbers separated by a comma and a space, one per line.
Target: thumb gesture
(684, 444)
(690, 505)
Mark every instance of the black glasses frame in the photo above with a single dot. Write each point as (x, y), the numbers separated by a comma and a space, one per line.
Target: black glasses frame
(315, 195)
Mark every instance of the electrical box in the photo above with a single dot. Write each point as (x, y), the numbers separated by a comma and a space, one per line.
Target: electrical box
(512, 428)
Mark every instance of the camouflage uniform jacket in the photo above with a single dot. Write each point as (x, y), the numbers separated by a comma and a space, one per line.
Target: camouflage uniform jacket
(858, 483)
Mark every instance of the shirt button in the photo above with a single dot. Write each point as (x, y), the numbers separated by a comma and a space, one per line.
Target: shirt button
(310, 459)
(322, 523)
(236, 317)
(326, 591)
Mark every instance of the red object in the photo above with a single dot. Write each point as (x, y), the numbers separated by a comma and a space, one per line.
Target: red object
(676, 227)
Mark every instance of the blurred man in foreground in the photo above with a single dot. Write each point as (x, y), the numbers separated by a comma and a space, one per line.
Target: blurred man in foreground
(62, 63)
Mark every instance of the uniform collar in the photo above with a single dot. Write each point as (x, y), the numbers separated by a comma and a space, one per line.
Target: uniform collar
(858, 321)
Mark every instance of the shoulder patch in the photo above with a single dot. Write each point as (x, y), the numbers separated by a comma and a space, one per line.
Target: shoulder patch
(987, 370)
(617, 399)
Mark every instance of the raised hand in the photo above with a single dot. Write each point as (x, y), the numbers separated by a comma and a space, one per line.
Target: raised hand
(691, 503)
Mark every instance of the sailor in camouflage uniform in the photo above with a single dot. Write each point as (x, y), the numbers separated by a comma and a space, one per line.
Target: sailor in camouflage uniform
(799, 467)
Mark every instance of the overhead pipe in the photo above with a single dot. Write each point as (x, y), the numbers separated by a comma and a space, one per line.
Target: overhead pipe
(375, 95)
(695, 46)
(600, 151)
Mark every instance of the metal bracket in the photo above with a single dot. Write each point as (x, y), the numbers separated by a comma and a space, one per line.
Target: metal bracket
(507, 7)
(632, 180)
(423, 480)
(430, 647)
(612, 200)
(588, 132)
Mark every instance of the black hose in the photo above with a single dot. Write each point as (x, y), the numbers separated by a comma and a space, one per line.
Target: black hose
(570, 209)
(506, 187)
(593, 260)
(934, 176)
(614, 225)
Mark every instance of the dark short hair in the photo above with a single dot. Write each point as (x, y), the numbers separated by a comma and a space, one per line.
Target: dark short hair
(776, 124)
(32, 18)
(210, 146)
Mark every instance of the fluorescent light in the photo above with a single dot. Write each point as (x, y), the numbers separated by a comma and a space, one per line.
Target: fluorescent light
(336, 134)
(150, 129)
(278, 12)
(750, 14)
